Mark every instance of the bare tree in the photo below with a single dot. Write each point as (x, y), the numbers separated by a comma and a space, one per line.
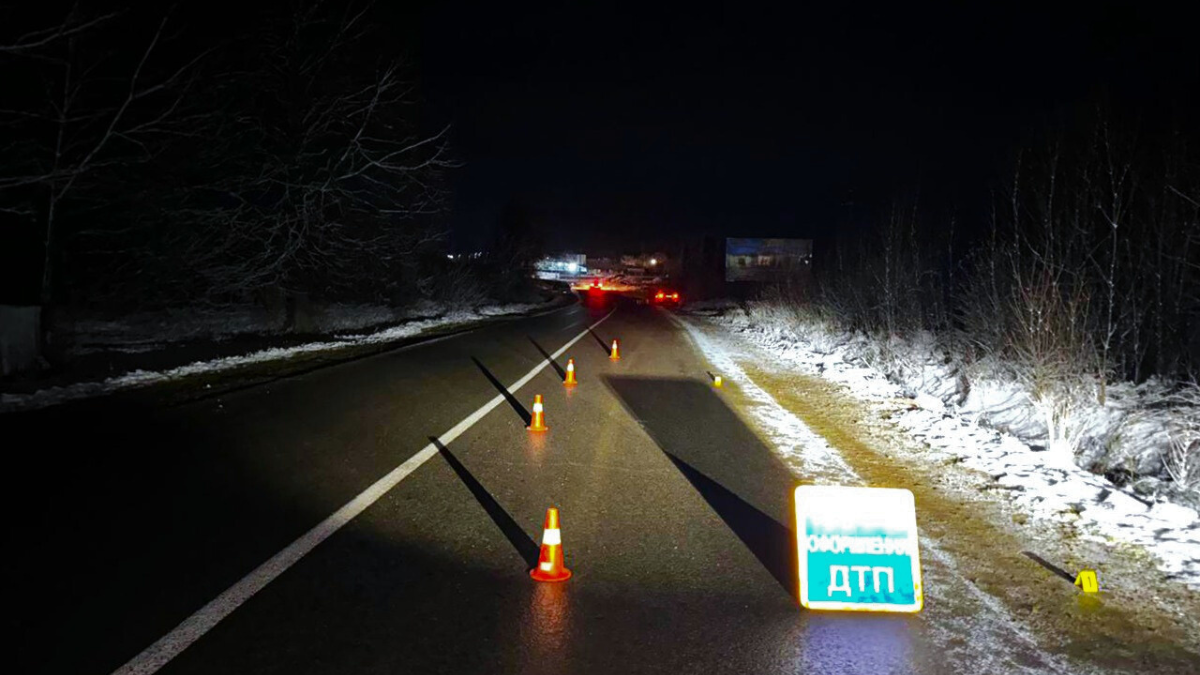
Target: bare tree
(1112, 201)
(319, 181)
(90, 106)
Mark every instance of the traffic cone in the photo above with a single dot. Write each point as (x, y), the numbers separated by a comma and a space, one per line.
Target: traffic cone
(616, 352)
(550, 563)
(570, 381)
(539, 415)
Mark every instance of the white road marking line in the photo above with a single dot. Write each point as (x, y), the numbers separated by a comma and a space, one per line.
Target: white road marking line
(203, 620)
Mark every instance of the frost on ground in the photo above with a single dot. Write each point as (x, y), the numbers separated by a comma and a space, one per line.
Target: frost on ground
(991, 426)
(806, 452)
(968, 623)
(236, 323)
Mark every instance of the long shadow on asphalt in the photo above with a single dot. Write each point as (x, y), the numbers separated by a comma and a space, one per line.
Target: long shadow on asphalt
(723, 460)
(527, 548)
(1049, 565)
(562, 374)
(600, 341)
(512, 400)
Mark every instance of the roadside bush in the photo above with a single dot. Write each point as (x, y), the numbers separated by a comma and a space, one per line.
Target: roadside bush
(1083, 280)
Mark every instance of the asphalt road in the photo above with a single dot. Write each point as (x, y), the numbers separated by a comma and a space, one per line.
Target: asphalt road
(676, 521)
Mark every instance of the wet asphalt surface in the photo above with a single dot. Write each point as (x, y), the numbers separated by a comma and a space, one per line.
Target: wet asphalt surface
(676, 521)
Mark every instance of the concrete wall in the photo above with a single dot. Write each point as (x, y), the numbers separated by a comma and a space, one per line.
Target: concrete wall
(20, 335)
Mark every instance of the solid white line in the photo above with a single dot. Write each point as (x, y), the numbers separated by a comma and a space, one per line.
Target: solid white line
(195, 626)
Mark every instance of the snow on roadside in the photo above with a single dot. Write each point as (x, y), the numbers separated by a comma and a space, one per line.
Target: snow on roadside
(144, 378)
(1043, 484)
(991, 629)
(89, 332)
(805, 450)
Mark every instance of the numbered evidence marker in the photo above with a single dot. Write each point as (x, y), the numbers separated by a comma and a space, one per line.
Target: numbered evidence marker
(858, 549)
(1087, 581)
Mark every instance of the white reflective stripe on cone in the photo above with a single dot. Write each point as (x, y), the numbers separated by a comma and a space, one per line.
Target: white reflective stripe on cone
(552, 538)
(537, 407)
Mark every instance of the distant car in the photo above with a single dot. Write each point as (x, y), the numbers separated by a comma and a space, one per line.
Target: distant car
(665, 297)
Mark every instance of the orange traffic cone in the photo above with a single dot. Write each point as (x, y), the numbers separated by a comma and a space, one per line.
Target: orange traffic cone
(616, 353)
(570, 381)
(539, 415)
(550, 563)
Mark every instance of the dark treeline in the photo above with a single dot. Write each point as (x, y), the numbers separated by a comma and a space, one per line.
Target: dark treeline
(1087, 263)
(157, 158)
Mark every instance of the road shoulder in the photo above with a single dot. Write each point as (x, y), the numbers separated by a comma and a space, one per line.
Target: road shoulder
(214, 377)
(1141, 622)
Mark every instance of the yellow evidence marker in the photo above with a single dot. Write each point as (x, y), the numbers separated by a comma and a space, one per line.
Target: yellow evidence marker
(1087, 581)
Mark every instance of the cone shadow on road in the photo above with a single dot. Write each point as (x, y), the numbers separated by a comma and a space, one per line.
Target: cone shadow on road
(715, 451)
(600, 341)
(526, 417)
(562, 374)
(526, 547)
(1049, 565)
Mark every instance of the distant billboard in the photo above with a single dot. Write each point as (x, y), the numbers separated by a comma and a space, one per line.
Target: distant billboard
(765, 259)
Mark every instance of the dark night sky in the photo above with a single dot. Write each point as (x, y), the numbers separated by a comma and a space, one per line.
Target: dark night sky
(627, 124)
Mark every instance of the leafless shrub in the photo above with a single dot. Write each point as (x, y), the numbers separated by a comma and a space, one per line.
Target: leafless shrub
(1182, 459)
(461, 285)
(1086, 275)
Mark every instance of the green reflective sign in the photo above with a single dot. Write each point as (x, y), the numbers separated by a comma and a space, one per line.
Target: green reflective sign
(858, 549)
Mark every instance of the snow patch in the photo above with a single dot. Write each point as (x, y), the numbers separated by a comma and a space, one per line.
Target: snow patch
(989, 425)
(991, 629)
(145, 378)
(804, 450)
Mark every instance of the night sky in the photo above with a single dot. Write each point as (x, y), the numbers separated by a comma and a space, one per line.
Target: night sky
(627, 126)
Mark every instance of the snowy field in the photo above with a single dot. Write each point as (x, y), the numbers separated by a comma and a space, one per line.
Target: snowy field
(345, 322)
(991, 426)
